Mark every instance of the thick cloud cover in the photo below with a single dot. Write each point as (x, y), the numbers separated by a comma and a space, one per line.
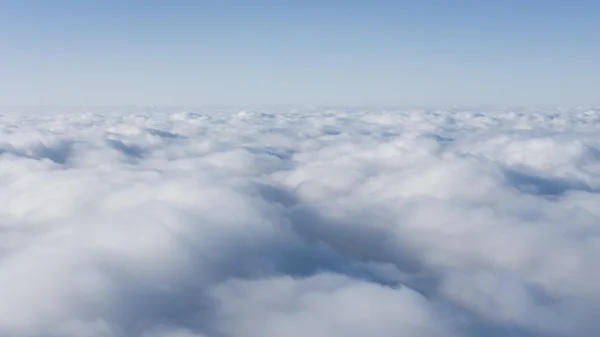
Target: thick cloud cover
(299, 222)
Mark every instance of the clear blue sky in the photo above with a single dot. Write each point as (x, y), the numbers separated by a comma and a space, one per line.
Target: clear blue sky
(111, 52)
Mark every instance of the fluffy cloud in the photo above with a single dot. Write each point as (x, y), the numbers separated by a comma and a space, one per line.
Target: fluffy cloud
(226, 223)
(324, 305)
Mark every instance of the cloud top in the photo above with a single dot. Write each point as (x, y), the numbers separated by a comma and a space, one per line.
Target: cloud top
(166, 223)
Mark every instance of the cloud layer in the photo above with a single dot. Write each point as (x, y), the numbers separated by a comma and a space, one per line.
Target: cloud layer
(306, 222)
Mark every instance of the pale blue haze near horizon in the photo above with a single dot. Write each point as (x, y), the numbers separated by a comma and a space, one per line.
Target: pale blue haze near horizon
(405, 53)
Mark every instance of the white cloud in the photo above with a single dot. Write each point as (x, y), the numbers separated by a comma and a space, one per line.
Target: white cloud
(299, 222)
(324, 305)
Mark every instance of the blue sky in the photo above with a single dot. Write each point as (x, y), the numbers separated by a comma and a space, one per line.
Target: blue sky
(406, 53)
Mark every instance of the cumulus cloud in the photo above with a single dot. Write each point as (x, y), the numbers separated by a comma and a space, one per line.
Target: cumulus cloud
(219, 222)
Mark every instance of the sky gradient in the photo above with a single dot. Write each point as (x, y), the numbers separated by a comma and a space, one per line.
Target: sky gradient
(73, 52)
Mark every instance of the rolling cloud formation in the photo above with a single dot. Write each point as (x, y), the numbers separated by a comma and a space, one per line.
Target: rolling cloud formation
(307, 222)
